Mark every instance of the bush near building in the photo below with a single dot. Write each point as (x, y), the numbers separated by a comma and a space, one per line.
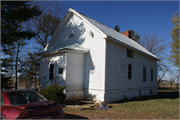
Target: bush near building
(54, 92)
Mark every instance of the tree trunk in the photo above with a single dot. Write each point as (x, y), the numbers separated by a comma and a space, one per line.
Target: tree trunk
(35, 77)
(17, 63)
(159, 80)
(26, 78)
(177, 83)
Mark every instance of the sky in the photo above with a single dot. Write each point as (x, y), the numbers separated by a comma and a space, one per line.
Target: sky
(153, 17)
(141, 16)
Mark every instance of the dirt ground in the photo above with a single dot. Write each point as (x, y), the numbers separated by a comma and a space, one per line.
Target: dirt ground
(72, 116)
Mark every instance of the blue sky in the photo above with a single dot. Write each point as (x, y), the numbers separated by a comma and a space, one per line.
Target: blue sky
(141, 16)
(153, 17)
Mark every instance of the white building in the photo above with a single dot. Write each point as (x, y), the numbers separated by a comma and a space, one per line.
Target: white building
(96, 62)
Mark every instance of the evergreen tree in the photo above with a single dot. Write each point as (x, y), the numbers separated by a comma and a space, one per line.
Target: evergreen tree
(30, 69)
(134, 35)
(13, 14)
(23, 77)
(175, 37)
(34, 61)
(6, 73)
(6, 82)
(116, 28)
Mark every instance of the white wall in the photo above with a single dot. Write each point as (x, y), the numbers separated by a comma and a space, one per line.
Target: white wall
(75, 76)
(94, 71)
(105, 65)
(118, 86)
(59, 60)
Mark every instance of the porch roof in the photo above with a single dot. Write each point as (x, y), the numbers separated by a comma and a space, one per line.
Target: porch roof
(73, 47)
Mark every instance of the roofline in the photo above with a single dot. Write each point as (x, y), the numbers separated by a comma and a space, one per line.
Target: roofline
(72, 11)
(111, 38)
(117, 41)
(80, 16)
(61, 23)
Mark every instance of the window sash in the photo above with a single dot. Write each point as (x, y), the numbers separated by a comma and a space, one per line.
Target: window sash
(51, 71)
(129, 71)
(144, 73)
(151, 75)
(130, 53)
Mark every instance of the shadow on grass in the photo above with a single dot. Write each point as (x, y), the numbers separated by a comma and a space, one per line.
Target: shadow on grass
(168, 93)
(161, 94)
(71, 116)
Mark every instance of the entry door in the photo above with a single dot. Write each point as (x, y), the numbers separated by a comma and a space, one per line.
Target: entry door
(51, 72)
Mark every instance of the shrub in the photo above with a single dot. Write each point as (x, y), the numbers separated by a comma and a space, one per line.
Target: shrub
(37, 89)
(54, 92)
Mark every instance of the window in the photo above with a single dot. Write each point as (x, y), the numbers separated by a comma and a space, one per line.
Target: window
(20, 98)
(144, 73)
(151, 75)
(129, 71)
(51, 71)
(61, 70)
(130, 53)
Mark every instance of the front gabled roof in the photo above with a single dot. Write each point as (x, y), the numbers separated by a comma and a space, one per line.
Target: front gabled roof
(115, 36)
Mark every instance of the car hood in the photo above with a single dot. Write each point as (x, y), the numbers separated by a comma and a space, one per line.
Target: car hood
(41, 108)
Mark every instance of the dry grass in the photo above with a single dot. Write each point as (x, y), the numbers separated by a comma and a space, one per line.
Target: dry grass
(163, 106)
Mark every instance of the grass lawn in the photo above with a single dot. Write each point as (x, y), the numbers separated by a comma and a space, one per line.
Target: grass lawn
(165, 105)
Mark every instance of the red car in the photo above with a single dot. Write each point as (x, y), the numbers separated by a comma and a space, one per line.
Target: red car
(28, 104)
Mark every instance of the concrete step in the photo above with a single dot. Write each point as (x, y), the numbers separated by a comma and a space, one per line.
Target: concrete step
(88, 102)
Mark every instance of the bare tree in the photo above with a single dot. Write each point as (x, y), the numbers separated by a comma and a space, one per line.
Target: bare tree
(46, 24)
(171, 81)
(177, 82)
(154, 44)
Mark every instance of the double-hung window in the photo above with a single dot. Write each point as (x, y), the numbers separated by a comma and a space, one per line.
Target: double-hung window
(130, 53)
(151, 75)
(144, 73)
(129, 71)
(51, 71)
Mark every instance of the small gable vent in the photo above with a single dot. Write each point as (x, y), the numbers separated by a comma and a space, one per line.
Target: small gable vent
(71, 35)
(91, 34)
